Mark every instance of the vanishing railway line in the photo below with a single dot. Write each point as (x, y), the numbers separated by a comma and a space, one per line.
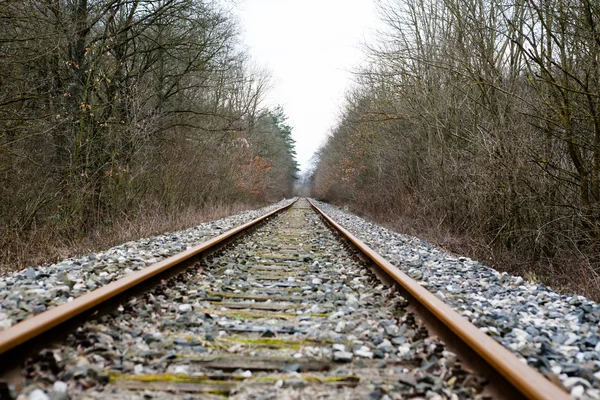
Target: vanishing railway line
(289, 310)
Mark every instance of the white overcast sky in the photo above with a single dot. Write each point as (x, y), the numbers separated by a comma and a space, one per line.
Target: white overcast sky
(310, 47)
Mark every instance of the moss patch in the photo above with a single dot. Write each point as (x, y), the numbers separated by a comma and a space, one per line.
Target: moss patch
(275, 343)
(178, 378)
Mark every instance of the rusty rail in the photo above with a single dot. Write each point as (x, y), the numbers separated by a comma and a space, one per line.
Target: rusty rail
(525, 379)
(35, 326)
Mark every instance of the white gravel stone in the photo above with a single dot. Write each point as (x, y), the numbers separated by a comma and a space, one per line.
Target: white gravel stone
(342, 356)
(60, 387)
(185, 308)
(571, 382)
(38, 394)
(246, 374)
(364, 352)
(577, 392)
(338, 347)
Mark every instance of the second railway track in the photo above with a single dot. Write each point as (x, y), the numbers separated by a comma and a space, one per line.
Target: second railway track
(287, 311)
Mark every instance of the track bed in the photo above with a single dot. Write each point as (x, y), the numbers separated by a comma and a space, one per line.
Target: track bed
(286, 312)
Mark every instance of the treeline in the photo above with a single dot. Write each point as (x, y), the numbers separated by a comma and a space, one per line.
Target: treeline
(114, 109)
(477, 122)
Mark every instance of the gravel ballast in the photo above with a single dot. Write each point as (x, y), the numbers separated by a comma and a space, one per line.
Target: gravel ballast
(35, 289)
(287, 311)
(555, 333)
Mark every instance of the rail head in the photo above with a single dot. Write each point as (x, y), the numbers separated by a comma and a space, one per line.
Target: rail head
(28, 329)
(525, 379)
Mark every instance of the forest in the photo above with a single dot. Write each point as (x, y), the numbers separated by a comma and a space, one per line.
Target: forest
(476, 125)
(123, 118)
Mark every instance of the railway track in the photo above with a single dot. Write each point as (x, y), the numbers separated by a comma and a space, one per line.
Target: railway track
(289, 310)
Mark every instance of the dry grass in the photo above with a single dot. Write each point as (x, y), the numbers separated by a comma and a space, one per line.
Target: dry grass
(49, 244)
(568, 272)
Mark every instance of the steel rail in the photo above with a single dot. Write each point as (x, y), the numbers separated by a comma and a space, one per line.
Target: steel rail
(30, 328)
(525, 379)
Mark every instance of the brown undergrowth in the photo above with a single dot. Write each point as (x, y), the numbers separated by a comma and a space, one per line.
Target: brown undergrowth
(49, 244)
(568, 271)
